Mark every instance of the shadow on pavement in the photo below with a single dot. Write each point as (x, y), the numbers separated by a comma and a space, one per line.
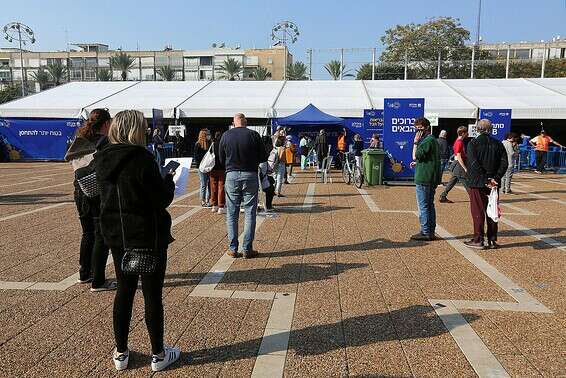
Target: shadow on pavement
(30, 199)
(413, 322)
(283, 275)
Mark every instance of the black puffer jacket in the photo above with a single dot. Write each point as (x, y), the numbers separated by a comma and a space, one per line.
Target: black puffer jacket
(144, 195)
(486, 159)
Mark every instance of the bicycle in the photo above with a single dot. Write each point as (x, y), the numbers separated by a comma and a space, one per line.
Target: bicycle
(351, 173)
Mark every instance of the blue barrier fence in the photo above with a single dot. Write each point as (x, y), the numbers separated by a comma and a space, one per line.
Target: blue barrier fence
(555, 160)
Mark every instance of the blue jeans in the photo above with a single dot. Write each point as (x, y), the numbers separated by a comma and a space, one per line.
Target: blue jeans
(279, 177)
(241, 188)
(427, 212)
(204, 187)
(443, 163)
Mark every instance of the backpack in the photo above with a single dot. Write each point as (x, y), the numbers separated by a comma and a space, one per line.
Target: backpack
(86, 178)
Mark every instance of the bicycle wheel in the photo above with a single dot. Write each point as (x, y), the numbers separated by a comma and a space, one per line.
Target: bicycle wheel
(346, 174)
(358, 177)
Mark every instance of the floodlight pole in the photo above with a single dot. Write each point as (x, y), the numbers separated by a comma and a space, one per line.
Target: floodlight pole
(507, 62)
(373, 64)
(438, 68)
(21, 60)
(341, 63)
(543, 61)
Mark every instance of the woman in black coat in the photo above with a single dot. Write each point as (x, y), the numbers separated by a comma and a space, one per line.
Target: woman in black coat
(134, 198)
(321, 147)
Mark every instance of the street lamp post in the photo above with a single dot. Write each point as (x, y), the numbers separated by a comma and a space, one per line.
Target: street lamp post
(16, 31)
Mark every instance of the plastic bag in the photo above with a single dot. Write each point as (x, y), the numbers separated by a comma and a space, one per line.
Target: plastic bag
(493, 210)
(208, 161)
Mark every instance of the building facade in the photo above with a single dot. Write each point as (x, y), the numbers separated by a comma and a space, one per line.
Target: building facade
(87, 62)
(533, 51)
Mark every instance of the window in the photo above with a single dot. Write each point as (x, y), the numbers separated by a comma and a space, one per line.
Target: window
(206, 61)
(91, 62)
(270, 60)
(522, 53)
(77, 62)
(4, 75)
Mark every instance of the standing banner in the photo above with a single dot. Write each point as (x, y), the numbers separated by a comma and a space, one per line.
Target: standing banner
(373, 124)
(38, 139)
(399, 116)
(500, 120)
(181, 178)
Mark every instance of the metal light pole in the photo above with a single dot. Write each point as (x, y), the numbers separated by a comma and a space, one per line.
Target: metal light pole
(16, 31)
(477, 44)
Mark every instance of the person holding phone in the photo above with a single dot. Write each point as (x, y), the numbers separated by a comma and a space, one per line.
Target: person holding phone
(426, 161)
(137, 218)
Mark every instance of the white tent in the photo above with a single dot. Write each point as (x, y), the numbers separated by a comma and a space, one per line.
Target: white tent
(528, 98)
(65, 101)
(148, 95)
(439, 97)
(346, 98)
(225, 98)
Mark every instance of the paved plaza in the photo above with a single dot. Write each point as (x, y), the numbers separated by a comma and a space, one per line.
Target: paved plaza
(338, 290)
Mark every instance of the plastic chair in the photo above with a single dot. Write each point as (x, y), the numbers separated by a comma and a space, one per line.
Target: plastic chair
(325, 170)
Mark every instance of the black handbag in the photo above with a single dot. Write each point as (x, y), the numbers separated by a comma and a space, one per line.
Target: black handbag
(136, 261)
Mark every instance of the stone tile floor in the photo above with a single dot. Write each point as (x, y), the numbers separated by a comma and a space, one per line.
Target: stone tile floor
(338, 290)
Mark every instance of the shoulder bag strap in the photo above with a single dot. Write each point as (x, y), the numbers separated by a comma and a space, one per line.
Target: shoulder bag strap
(121, 221)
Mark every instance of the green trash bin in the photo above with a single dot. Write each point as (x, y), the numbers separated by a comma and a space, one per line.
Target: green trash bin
(373, 166)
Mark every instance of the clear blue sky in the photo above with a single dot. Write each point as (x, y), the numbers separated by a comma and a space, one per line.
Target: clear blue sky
(323, 23)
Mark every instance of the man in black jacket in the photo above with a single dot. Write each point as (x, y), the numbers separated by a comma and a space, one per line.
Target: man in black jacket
(487, 163)
(241, 151)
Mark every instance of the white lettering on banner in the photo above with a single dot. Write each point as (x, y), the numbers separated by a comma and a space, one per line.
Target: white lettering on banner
(56, 133)
(357, 124)
(403, 125)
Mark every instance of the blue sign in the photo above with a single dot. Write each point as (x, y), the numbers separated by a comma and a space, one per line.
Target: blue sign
(373, 124)
(500, 120)
(398, 134)
(37, 139)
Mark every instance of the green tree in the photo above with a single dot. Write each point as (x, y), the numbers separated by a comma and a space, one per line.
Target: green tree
(167, 73)
(297, 71)
(122, 62)
(230, 69)
(555, 68)
(261, 74)
(10, 93)
(364, 72)
(41, 77)
(335, 68)
(104, 74)
(57, 71)
(383, 71)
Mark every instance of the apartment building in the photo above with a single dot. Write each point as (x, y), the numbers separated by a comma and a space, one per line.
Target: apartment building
(535, 51)
(87, 59)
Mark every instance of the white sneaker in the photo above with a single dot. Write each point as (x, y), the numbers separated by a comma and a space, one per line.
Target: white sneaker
(214, 209)
(171, 355)
(120, 359)
(221, 210)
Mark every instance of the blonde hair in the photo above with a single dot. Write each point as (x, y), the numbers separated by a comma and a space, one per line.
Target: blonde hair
(484, 126)
(128, 127)
(202, 141)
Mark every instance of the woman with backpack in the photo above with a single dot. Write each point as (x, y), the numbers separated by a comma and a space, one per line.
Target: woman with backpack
(136, 226)
(201, 148)
(93, 251)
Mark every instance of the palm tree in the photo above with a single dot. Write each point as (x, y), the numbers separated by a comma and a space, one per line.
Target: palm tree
(104, 74)
(167, 73)
(57, 71)
(122, 62)
(364, 72)
(297, 71)
(261, 73)
(335, 68)
(42, 78)
(230, 69)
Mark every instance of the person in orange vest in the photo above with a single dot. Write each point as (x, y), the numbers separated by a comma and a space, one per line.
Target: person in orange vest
(290, 151)
(341, 147)
(541, 144)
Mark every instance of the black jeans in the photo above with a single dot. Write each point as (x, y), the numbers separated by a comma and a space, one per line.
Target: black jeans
(541, 160)
(152, 288)
(94, 252)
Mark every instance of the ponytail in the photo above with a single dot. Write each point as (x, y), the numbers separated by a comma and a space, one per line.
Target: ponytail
(96, 119)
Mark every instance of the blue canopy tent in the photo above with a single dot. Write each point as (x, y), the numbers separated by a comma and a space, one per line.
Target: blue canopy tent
(310, 116)
(310, 121)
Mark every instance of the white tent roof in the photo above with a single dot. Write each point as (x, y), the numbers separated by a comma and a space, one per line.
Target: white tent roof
(65, 101)
(345, 98)
(225, 98)
(149, 95)
(439, 98)
(528, 98)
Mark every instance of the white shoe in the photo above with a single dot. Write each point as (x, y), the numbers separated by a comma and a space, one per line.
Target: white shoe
(242, 210)
(221, 210)
(120, 359)
(214, 209)
(171, 355)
